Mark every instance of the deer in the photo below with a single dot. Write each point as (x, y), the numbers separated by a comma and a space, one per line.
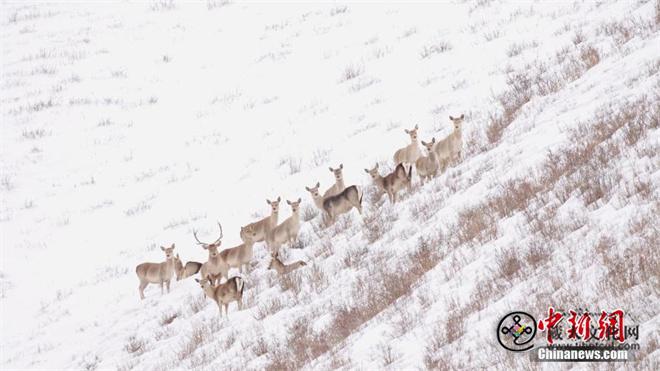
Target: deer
(427, 166)
(449, 149)
(410, 153)
(224, 293)
(282, 268)
(214, 267)
(342, 203)
(339, 182)
(316, 196)
(186, 271)
(287, 231)
(157, 272)
(393, 182)
(263, 226)
(240, 256)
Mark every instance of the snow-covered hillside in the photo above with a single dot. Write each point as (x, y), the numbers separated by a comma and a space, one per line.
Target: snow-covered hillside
(127, 125)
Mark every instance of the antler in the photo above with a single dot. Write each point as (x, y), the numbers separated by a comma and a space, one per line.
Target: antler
(198, 241)
(219, 238)
(208, 244)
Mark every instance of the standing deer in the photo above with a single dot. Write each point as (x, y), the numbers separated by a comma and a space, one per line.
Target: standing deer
(339, 182)
(410, 153)
(287, 231)
(427, 166)
(224, 293)
(316, 196)
(186, 271)
(342, 203)
(157, 272)
(240, 256)
(393, 182)
(449, 149)
(282, 268)
(214, 267)
(263, 226)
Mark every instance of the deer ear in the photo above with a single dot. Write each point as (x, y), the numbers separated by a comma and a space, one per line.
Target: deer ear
(279, 199)
(451, 118)
(197, 279)
(416, 126)
(177, 256)
(268, 201)
(366, 171)
(299, 199)
(407, 131)
(376, 165)
(318, 184)
(288, 202)
(330, 167)
(433, 140)
(462, 115)
(162, 248)
(423, 143)
(173, 245)
(341, 166)
(308, 189)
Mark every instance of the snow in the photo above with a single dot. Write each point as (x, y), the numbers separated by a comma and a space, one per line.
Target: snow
(126, 126)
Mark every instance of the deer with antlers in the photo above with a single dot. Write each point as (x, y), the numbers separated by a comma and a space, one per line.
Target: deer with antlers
(215, 267)
(263, 226)
(157, 272)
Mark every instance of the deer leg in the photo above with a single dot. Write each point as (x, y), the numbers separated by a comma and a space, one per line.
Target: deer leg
(168, 286)
(143, 284)
(161, 287)
(226, 310)
(240, 303)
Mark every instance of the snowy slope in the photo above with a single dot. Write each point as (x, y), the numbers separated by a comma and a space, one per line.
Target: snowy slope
(126, 126)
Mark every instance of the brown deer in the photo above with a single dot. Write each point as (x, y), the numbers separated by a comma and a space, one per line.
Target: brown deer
(427, 166)
(157, 272)
(449, 149)
(393, 182)
(339, 182)
(214, 267)
(287, 231)
(224, 293)
(240, 256)
(282, 268)
(263, 226)
(342, 203)
(410, 153)
(186, 271)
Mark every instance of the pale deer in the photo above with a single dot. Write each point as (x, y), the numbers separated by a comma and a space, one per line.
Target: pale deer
(263, 226)
(316, 196)
(287, 231)
(185, 271)
(427, 166)
(342, 203)
(410, 153)
(214, 267)
(224, 293)
(450, 148)
(393, 182)
(282, 268)
(157, 272)
(241, 255)
(339, 182)
(378, 180)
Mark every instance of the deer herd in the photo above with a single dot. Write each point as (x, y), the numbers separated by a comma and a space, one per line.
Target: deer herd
(335, 201)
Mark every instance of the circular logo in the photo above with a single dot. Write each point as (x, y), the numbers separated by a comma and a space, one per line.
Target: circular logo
(516, 331)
